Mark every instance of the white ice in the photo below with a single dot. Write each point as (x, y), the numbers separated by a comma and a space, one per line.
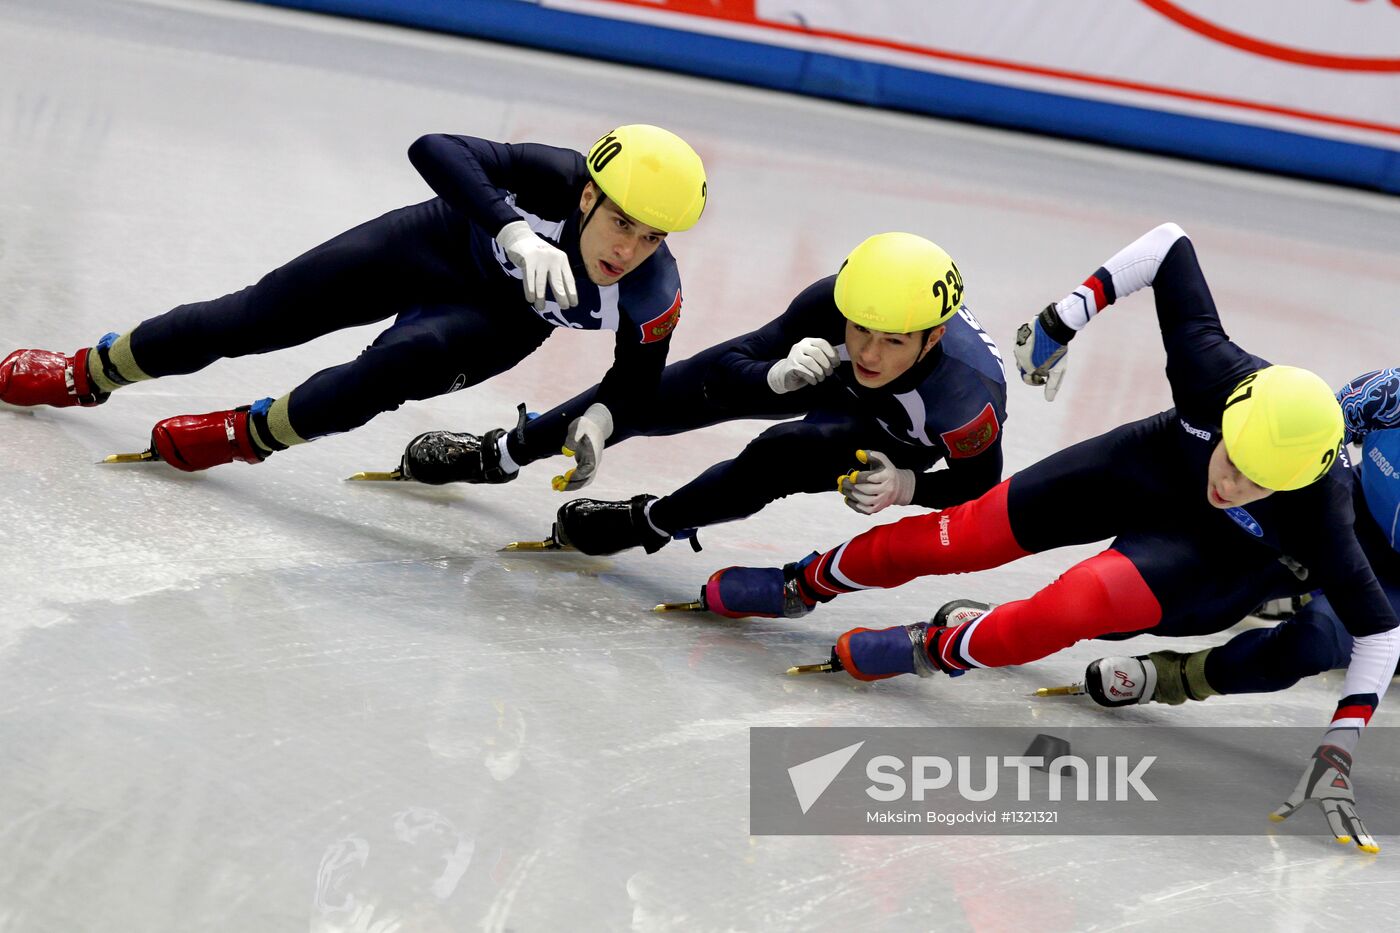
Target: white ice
(261, 698)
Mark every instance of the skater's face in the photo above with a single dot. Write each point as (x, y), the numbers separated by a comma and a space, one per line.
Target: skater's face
(1226, 486)
(612, 243)
(879, 357)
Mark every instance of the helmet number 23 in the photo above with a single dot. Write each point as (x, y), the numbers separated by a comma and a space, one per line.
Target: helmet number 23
(949, 289)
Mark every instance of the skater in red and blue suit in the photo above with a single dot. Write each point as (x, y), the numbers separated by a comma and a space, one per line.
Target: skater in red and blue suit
(522, 239)
(1245, 470)
(1312, 639)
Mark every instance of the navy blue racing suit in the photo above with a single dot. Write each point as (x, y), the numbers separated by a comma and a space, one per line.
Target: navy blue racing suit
(949, 407)
(459, 310)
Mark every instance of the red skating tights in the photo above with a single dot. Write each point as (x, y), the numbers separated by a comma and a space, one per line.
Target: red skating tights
(1098, 596)
(1103, 594)
(973, 536)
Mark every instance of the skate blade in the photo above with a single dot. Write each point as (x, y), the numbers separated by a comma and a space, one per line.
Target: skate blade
(548, 544)
(692, 606)
(393, 476)
(143, 457)
(1068, 690)
(826, 667)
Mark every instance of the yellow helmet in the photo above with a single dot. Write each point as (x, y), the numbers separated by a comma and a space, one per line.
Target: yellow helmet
(899, 283)
(1282, 427)
(652, 174)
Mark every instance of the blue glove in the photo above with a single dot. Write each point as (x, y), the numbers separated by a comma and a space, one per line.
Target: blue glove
(1041, 345)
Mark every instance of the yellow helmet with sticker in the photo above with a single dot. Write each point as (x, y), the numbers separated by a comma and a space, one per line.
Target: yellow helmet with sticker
(1282, 427)
(651, 174)
(899, 283)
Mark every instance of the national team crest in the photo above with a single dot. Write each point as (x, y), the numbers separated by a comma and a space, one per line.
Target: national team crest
(974, 437)
(660, 327)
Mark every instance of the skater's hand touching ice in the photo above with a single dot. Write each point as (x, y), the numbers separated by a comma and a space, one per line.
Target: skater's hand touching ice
(1327, 780)
(584, 442)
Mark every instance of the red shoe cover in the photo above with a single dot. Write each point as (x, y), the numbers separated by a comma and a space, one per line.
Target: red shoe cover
(198, 442)
(42, 377)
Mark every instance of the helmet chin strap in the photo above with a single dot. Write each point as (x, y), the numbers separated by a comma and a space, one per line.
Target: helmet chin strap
(593, 210)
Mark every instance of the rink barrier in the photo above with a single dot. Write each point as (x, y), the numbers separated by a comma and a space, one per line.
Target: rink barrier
(819, 74)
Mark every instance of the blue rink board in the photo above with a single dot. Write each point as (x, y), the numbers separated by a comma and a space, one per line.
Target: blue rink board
(830, 76)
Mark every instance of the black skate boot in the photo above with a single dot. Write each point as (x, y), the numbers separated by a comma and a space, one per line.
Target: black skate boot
(598, 527)
(440, 457)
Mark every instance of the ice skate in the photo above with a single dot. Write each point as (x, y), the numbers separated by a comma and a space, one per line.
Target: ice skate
(599, 527)
(378, 476)
(197, 442)
(552, 543)
(1121, 681)
(1169, 677)
(957, 611)
(42, 377)
(440, 457)
(876, 654)
(743, 592)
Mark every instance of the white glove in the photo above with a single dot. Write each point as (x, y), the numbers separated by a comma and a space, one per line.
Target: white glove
(1041, 345)
(584, 442)
(1327, 779)
(809, 361)
(869, 491)
(540, 263)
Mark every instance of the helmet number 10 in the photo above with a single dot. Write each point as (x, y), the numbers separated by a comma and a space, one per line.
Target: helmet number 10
(603, 152)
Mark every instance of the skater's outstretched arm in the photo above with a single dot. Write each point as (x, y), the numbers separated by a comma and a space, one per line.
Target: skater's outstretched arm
(1203, 365)
(478, 177)
(800, 337)
(1326, 777)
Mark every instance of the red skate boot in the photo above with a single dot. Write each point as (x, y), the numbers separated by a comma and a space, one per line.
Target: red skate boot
(42, 377)
(198, 442)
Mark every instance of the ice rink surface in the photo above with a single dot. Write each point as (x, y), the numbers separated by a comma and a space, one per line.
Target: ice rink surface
(261, 698)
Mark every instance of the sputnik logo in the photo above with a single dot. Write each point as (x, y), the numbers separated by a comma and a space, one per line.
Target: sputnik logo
(810, 779)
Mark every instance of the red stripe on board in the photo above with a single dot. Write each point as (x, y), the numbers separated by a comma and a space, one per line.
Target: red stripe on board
(740, 11)
(1179, 93)
(1268, 49)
